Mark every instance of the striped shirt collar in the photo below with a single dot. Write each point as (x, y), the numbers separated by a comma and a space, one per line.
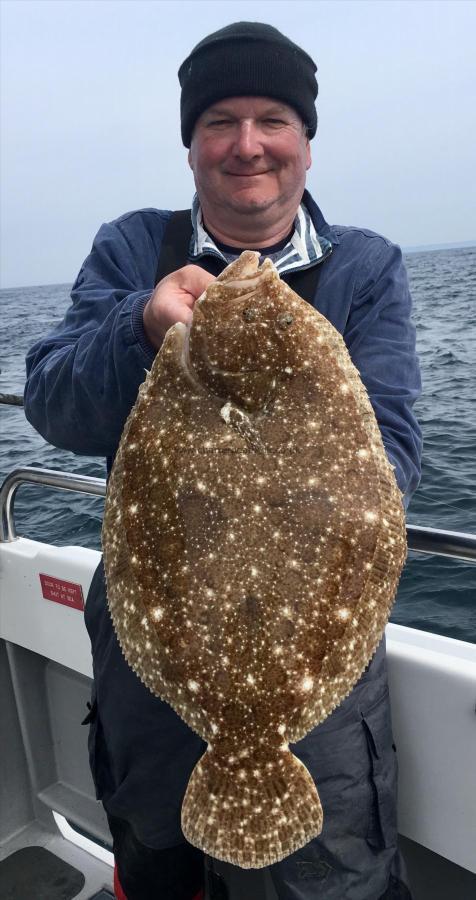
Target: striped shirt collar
(304, 249)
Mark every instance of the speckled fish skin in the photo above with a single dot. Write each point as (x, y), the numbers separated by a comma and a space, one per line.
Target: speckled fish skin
(253, 539)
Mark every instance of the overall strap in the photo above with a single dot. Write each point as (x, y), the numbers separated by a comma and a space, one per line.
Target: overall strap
(175, 243)
(174, 255)
(304, 283)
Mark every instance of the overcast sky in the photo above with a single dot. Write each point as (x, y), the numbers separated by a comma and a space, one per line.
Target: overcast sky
(90, 117)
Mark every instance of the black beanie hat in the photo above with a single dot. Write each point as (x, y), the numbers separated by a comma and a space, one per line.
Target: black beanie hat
(246, 59)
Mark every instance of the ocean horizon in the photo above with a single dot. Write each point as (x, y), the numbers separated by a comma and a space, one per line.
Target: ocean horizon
(414, 248)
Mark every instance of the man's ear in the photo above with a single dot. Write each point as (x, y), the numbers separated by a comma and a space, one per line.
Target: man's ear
(308, 155)
(189, 157)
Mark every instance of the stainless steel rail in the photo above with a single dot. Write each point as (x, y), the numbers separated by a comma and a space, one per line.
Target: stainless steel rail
(456, 544)
(66, 481)
(11, 399)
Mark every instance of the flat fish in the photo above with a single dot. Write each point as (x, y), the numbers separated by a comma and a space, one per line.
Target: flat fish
(253, 539)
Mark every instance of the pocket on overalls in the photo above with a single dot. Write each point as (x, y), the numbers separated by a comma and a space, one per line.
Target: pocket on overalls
(98, 757)
(382, 824)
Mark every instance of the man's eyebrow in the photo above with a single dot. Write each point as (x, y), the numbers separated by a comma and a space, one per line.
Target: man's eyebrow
(226, 111)
(215, 110)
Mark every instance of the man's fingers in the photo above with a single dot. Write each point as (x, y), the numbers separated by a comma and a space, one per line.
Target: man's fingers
(191, 279)
(173, 300)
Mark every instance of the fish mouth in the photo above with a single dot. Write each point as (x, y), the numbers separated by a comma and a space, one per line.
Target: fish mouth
(185, 358)
(249, 282)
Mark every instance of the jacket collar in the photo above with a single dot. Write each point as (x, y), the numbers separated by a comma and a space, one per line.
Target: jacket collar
(318, 219)
(311, 243)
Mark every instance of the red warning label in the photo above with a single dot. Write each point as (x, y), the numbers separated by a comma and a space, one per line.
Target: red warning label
(65, 592)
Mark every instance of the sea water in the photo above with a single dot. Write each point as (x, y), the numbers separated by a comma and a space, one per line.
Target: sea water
(435, 593)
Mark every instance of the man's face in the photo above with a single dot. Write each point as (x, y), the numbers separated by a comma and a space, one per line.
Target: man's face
(249, 155)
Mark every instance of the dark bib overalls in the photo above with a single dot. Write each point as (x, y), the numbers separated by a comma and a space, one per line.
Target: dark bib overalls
(142, 753)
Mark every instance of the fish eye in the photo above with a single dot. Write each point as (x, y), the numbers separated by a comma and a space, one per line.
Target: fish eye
(285, 320)
(250, 314)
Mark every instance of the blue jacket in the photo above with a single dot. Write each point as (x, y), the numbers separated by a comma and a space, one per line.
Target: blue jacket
(82, 381)
(83, 378)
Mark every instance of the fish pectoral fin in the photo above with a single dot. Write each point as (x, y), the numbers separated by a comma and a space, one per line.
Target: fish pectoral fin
(236, 418)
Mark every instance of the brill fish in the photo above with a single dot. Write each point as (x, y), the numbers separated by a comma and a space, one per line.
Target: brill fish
(253, 539)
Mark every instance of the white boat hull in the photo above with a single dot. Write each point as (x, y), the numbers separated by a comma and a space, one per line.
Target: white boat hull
(432, 685)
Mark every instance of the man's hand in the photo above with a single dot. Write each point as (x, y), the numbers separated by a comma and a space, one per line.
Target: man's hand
(173, 301)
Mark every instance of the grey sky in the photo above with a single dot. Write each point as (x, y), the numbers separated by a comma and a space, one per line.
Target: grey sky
(90, 117)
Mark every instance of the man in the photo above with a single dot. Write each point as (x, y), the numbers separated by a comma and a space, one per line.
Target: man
(247, 115)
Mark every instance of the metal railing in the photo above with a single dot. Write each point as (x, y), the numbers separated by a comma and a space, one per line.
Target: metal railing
(439, 542)
(66, 481)
(11, 399)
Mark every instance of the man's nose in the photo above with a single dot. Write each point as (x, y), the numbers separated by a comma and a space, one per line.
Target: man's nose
(248, 141)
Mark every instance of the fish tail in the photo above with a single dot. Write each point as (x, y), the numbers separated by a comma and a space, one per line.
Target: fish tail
(248, 814)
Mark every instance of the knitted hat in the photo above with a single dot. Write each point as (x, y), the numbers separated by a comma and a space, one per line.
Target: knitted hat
(246, 59)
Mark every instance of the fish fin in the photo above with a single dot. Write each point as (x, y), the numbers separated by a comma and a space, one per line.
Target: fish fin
(224, 817)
